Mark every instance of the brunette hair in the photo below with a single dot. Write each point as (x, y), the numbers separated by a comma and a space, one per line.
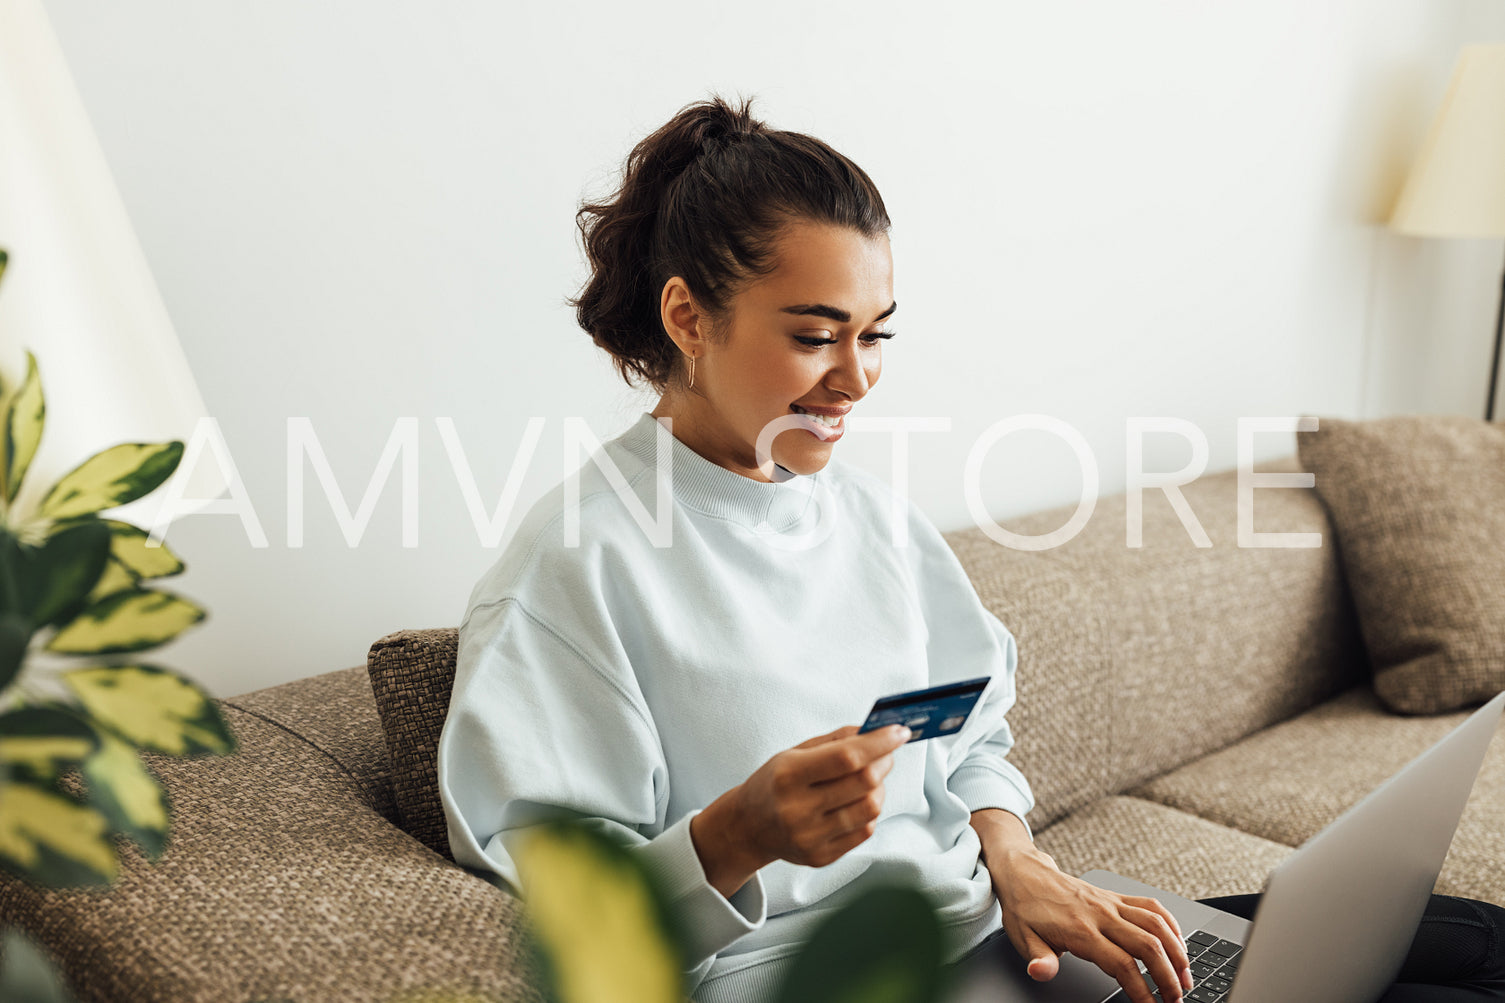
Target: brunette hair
(704, 197)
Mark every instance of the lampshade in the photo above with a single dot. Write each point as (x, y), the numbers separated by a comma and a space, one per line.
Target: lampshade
(77, 291)
(1456, 187)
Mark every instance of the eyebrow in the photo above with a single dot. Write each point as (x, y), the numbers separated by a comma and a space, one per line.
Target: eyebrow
(831, 312)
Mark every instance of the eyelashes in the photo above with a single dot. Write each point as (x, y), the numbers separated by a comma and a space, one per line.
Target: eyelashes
(871, 339)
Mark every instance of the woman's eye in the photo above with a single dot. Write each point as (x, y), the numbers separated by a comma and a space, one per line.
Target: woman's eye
(869, 339)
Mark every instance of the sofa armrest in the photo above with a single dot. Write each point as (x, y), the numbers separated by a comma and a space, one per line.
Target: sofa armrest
(280, 881)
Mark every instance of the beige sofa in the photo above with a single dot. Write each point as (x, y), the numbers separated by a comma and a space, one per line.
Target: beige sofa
(1186, 716)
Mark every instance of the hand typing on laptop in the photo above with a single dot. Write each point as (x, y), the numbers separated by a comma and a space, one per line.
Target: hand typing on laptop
(1046, 912)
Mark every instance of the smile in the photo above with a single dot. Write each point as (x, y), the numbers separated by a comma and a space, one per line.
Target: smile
(825, 427)
(828, 420)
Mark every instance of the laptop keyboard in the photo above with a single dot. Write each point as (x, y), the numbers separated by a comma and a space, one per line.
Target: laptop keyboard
(1214, 962)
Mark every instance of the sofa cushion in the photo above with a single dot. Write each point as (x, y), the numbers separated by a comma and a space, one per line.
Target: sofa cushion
(412, 673)
(1418, 507)
(1289, 781)
(1161, 846)
(1118, 645)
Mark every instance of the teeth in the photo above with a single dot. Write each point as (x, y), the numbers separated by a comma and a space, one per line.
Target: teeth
(830, 421)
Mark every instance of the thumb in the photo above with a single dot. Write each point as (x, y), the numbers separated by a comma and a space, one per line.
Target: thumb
(1043, 963)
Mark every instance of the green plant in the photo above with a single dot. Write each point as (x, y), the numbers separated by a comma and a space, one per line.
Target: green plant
(602, 929)
(76, 699)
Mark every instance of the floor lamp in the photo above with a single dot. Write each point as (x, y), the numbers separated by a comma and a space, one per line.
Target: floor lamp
(1456, 188)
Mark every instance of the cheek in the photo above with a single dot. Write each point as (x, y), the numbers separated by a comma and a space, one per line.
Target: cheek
(788, 380)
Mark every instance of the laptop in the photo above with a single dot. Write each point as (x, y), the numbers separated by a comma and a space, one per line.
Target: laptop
(1337, 916)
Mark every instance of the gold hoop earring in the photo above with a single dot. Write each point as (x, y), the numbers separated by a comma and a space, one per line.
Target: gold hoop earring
(692, 374)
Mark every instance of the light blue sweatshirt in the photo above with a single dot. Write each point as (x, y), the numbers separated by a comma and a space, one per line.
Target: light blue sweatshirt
(608, 679)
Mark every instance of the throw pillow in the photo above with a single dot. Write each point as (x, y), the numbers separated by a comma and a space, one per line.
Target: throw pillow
(412, 673)
(1417, 504)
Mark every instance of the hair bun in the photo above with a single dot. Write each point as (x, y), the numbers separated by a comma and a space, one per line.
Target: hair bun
(722, 121)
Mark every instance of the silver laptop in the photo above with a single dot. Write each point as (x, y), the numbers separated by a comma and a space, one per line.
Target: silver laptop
(1337, 917)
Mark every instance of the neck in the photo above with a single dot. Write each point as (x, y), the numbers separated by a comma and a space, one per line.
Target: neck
(696, 426)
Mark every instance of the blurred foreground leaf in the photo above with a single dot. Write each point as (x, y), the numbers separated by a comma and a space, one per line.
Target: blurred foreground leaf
(885, 946)
(605, 935)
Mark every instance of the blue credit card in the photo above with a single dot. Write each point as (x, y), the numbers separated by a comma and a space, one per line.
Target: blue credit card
(929, 713)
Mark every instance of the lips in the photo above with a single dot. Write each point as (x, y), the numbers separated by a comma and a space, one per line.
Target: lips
(822, 431)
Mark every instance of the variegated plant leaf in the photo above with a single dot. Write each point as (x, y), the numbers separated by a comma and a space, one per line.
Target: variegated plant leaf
(127, 794)
(132, 561)
(53, 840)
(112, 477)
(128, 620)
(114, 579)
(44, 741)
(22, 431)
(598, 919)
(128, 546)
(152, 708)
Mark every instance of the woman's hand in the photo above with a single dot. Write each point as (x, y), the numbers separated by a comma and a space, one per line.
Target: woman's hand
(1046, 911)
(812, 803)
(809, 805)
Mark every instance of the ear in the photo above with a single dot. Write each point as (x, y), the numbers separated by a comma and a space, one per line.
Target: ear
(683, 320)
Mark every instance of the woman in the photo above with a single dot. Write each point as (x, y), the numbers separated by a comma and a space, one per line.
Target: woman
(652, 654)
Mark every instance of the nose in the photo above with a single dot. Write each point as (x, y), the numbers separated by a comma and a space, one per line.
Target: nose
(853, 374)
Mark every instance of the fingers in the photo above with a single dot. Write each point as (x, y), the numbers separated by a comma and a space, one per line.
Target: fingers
(1118, 963)
(1157, 919)
(837, 758)
(1147, 947)
(1144, 934)
(1145, 902)
(1043, 962)
(855, 785)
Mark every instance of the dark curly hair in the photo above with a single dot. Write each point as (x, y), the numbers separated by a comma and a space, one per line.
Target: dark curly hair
(704, 197)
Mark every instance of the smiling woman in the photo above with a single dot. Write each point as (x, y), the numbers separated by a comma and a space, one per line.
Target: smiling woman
(672, 691)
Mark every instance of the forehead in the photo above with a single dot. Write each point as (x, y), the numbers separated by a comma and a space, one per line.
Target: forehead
(820, 263)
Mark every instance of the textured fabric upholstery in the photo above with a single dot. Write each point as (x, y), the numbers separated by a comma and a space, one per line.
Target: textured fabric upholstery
(1160, 846)
(333, 711)
(1289, 781)
(412, 673)
(1117, 643)
(1418, 505)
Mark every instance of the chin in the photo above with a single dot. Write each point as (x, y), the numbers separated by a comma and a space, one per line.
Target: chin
(815, 461)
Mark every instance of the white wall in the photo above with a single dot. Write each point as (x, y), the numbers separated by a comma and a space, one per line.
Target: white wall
(358, 212)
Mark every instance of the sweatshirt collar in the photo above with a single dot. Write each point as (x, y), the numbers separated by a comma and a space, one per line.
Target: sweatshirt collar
(711, 488)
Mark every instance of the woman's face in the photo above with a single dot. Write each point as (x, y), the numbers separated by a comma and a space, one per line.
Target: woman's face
(808, 336)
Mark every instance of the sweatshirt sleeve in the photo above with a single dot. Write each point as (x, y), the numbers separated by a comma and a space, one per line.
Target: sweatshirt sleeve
(537, 732)
(965, 640)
